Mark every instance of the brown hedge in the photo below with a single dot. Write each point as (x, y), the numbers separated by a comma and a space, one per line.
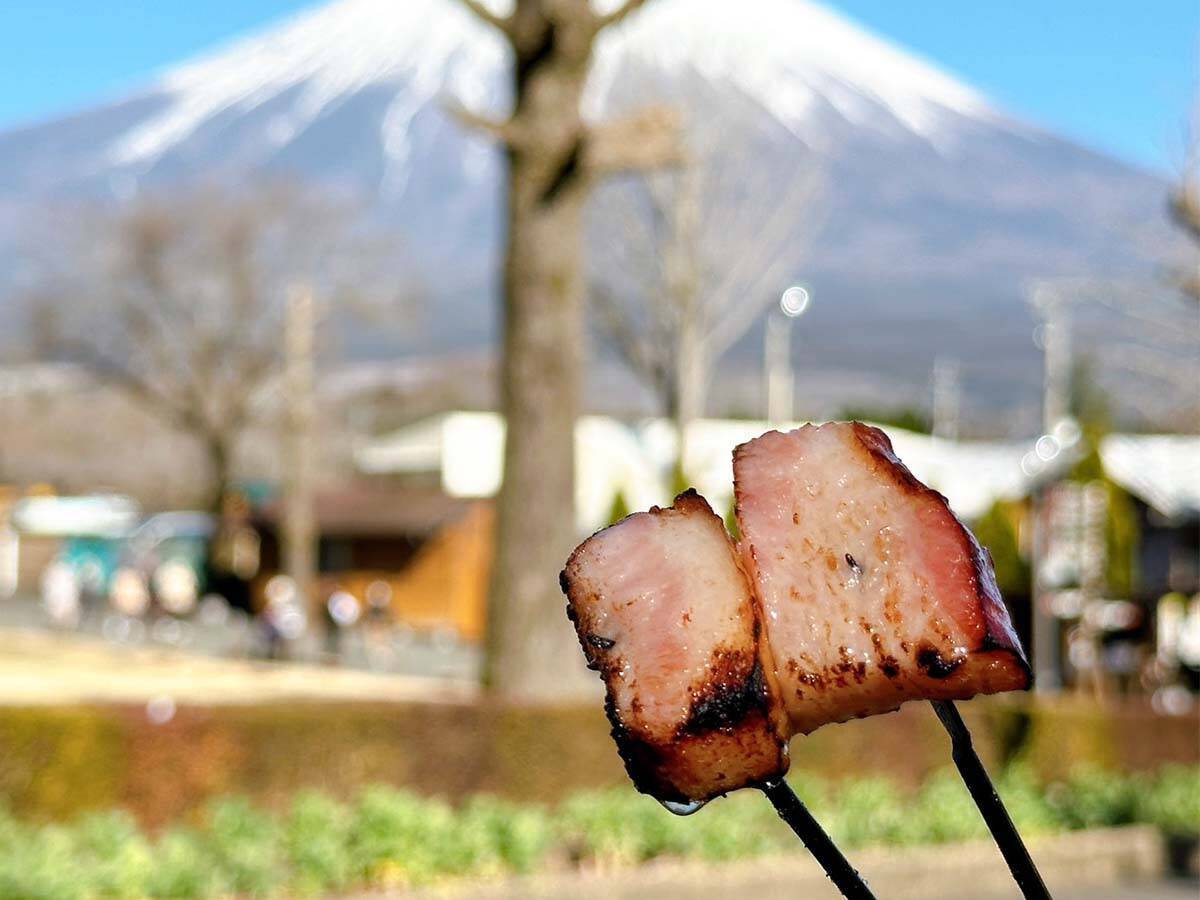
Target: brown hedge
(58, 761)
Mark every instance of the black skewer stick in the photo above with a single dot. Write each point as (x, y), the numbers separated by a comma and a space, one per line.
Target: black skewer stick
(1020, 863)
(793, 811)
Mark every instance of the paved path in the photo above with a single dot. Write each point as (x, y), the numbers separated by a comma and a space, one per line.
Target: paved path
(38, 667)
(1140, 890)
(217, 631)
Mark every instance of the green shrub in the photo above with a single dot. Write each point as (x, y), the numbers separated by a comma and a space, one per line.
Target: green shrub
(1026, 802)
(317, 844)
(619, 508)
(617, 827)
(1171, 800)
(118, 858)
(995, 531)
(1093, 798)
(866, 811)
(41, 864)
(389, 837)
(183, 867)
(245, 843)
(518, 837)
(942, 811)
(398, 837)
(740, 826)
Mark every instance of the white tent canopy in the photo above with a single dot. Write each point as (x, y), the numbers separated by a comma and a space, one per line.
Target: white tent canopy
(1161, 469)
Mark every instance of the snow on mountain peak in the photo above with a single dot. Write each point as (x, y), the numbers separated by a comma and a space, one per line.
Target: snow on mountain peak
(422, 46)
(787, 54)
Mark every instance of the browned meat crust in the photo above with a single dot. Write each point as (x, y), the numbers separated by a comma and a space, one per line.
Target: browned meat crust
(998, 637)
(733, 731)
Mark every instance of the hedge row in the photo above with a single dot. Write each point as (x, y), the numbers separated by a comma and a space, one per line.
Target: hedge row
(388, 838)
(56, 762)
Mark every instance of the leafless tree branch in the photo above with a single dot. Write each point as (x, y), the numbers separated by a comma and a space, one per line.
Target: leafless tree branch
(694, 256)
(185, 301)
(620, 14)
(1183, 204)
(504, 131)
(648, 139)
(485, 15)
(174, 410)
(642, 348)
(1185, 207)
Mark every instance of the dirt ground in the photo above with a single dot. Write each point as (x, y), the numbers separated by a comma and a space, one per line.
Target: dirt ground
(1113, 864)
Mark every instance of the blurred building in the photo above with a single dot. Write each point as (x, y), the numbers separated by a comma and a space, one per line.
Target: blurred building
(406, 553)
(630, 465)
(462, 452)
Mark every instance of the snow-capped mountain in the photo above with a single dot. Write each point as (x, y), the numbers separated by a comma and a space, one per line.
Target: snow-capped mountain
(939, 207)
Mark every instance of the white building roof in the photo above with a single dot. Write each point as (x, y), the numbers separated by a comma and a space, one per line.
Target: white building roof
(1162, 469)
(99, 515)
(466, 449)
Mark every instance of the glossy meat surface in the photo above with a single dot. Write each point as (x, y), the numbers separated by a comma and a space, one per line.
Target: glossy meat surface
(664, 611)
(871, 590)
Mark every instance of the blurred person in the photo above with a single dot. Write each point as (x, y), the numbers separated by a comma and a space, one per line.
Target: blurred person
(1177, 634)
(1189, 646)
(176, 587)
(379, 629)
(272, 632)
(61, 594)
(129, 595)
(234, 554)
(283, 620)
(341, 613)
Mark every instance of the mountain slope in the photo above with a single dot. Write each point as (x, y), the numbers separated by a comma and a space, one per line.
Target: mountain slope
(940, 206)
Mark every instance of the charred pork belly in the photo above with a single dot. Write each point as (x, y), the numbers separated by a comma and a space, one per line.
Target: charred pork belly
(871, 590)
(666, 614)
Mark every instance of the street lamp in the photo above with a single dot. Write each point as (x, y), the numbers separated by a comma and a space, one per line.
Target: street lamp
(794, 301)
(777, 352)
(1052, 337)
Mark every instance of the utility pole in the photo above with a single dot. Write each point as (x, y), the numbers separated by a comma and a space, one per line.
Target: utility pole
(947, 398)
(778, 368)
(1056, 374)
(777, 341)
(299, 530)
(1056, 349)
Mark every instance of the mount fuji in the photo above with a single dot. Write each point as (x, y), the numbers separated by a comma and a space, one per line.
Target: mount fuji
(940, 206)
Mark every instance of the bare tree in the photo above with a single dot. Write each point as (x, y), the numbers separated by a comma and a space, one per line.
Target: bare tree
(698, 255)
(554, 158)
(1184, 206)
(1185, 209)
(179, 300)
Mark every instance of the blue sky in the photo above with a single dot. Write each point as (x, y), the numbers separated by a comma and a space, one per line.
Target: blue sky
(1117, 75)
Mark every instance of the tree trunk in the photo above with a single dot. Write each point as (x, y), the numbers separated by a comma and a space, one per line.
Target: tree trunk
(531, 648)
(683, 286)
(690, 384)
(299, 520)
(216, 447)
(531, 644)
(553, 158)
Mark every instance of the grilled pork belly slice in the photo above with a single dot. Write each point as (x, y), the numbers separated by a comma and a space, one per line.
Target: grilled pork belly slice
(872, 592)
(664, 611)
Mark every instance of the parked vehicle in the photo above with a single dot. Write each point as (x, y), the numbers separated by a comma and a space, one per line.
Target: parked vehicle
(124, 561)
